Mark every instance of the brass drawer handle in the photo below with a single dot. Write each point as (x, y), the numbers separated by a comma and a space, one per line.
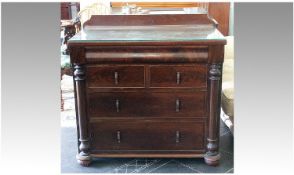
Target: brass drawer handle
(116, 78)
(177, 105)
(118, 136)
(177, 136)
(117, 105)
(178, 77)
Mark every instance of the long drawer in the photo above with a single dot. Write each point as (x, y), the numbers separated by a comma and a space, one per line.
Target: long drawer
(146, 104)
(147, 135)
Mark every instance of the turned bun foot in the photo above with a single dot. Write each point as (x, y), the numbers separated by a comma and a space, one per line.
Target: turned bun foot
(212, 160)
(84, 160)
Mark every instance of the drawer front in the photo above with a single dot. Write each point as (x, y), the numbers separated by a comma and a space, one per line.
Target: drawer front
(115, 76)
(132, 104)
(148, 135)
(178, 76)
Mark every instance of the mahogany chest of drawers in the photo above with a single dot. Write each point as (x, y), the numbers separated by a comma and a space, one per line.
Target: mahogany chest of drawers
(148, 86)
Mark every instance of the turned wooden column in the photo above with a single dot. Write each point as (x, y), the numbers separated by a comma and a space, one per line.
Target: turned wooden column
(83, 156)
(214, 81)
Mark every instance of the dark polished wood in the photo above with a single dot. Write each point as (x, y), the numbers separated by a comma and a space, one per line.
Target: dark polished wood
(137, 104)
(79, 77)
(220, 11)
(212, 156)
(116, 76)
(178, 75)
(146, 54)
(143, 20)
(152, 135)
(152, 90)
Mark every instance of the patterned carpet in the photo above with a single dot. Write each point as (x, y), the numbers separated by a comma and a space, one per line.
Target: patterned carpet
(135, 165)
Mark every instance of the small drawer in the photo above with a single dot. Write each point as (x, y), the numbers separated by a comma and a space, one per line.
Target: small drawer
(178, 76)
(135, 104)
(147, 135)
(115, 76)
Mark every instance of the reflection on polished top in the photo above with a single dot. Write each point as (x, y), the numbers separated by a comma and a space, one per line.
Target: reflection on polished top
(152, 29)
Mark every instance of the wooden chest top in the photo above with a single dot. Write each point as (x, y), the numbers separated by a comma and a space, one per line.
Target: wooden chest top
(147, 38)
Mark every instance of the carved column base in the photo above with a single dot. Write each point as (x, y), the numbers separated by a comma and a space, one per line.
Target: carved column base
(212, 160)
(84, 160)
